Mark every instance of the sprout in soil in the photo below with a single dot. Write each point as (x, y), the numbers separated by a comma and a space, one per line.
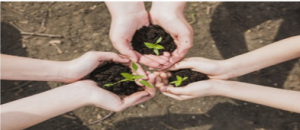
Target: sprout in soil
(155, 46)
(178, 81)
(131, 77)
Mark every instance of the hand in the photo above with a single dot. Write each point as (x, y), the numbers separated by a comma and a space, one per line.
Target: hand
(110, 101)
(172, 20)
(192, 90)
(215, 69)
(85, 64)
(122, 30)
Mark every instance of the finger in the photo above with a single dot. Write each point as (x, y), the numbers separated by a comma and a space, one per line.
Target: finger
(149, 62)
(184, 64)
(134, 98)
(166, 54)
(164, 77)
(178, 90)
(177, 97)
(159, 59)
(172, 60)
(126, 49)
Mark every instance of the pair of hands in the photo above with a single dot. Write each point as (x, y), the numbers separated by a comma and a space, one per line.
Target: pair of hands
(78, 68)
(123, 27)
(217, 71)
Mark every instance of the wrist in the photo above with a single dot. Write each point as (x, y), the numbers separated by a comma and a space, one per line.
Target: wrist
(84, 91)
(222, 87)
(228, 69)
(168, 7)
(123, 9)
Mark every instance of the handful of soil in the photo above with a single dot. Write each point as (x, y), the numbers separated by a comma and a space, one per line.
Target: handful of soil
(111, 73)
(193, 76)
(151, 34)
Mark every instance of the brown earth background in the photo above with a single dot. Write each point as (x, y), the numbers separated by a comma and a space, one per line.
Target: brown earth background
(221, 30)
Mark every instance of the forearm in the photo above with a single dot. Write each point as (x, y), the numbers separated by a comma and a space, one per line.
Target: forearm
(124, 8)
(37, 108)
(21, 68)
(268, 96)
(275, 53)
(168, 7)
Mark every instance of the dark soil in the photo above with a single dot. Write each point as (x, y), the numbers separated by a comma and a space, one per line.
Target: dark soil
(151, 34)
(192, 76)
(111, 73)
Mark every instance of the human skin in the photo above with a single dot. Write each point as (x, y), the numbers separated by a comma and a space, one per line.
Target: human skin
(169, 15)
(219, 71)
(127, 17)
(40, 107)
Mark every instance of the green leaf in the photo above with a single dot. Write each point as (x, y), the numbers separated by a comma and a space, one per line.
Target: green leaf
(173, 82)
(158, 40)
(123, 80)
(134, 66)
(184, 78)
(158, 47)
(143, 82)
(177, 83)
(178, 78)
(156, 51)
(109, 85)
(149, 45)
(137, 76)
(126, 75)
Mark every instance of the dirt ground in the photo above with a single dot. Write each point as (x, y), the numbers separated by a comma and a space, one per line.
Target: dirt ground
(221, 30)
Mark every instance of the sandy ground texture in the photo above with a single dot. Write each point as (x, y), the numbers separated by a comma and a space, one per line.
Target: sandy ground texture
(221, 30)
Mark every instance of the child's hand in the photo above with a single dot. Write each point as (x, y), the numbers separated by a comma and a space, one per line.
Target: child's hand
(110, 101)
(85, 64)
(192, 90)
(213, 68)
(172, 20)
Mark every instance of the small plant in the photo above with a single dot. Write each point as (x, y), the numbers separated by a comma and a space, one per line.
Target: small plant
(179, 80)
(131, 77)
(155, 46)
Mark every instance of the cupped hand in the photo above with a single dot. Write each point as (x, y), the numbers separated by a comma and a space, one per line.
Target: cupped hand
(180, 30)
(85, 64)
(215, 69)
(110, 101)
(122, 30)
(192, 90)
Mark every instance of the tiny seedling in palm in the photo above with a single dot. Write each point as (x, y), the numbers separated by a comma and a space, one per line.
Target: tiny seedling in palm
(155, 46)
(179, 80)
(130, 77)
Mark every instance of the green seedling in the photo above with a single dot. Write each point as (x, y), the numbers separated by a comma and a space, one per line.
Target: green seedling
(179, 80)
(155, 46)
(131, 77)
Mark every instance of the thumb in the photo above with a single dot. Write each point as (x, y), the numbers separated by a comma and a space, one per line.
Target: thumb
(126, 49)
(177, 90)
(184, 64)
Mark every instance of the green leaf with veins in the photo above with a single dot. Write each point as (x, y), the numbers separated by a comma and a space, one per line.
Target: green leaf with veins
(179, 80)
(126, 75)
(143, 82)
(137, 76)
(149, 45)
(155, 46)
(109, 85)
(156, 51)
(158, 40)
(134, 66)
(159, 47)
